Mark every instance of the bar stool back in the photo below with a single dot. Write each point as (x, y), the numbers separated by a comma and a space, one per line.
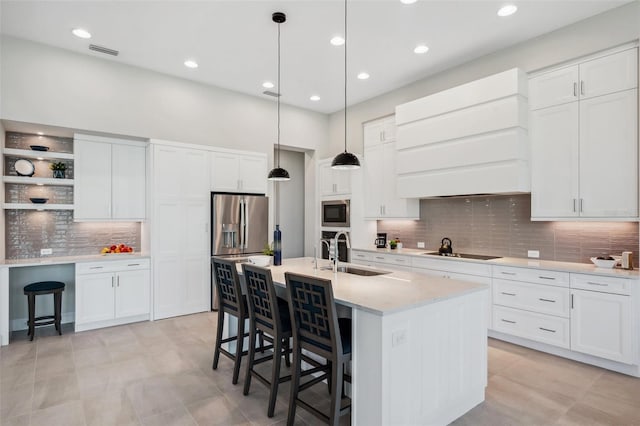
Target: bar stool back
(232, 302)
(44, 287)
(317, 329)
(270, 314)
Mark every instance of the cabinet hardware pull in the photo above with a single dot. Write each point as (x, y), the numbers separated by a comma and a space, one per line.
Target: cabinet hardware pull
(599, 284)
(508, 294)
(582, 87)
(581, 205)
(508, 273)
(112, 281)
(547, 300)
(572, 301)
(575, 89)
(509, 321)
(574, 205)
(96, 267)
(133, 264)
(118, 281)
(545, 278)
(378, 257)
(546, 329)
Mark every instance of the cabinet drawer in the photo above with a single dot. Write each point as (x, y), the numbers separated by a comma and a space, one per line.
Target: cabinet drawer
(112, 266)
(539, 276)
(603, 284)
(539, 298)
(360, 256)
(391, 259)
(461, 267)
(539, 327)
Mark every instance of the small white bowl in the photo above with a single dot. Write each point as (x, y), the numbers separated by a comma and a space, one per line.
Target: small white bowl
(261, 260)
(602, 263)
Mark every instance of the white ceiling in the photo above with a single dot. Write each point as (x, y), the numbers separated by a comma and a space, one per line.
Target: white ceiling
(235, 42)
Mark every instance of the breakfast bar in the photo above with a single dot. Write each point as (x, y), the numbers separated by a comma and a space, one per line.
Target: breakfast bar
(419, 342)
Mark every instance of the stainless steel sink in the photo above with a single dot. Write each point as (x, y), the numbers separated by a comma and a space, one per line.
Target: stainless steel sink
(363, 272)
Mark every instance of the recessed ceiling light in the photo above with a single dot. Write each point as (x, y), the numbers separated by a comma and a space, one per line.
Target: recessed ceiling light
(408, 1)
(421, 48)
(337, 41)
(268, 85)
(315, 98)
(81, 32)
(363, 76)
(507, 10)
(190, 63)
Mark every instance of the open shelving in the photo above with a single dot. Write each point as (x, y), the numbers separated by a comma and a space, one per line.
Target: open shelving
(37, 181)
(45, 155)
(30, 206)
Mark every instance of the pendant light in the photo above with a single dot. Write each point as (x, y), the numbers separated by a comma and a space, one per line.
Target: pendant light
(278, 173)
(345, 160)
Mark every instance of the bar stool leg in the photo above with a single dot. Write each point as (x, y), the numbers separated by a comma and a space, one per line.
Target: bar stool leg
(336, 379)
(216, 354)
(57, 299)
(295, 383)
(239, 345)
(31, 299)
(250, 359)
(275, 375)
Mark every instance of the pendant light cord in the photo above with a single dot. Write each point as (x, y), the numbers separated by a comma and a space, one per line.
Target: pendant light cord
(345, 75)
(279, 94)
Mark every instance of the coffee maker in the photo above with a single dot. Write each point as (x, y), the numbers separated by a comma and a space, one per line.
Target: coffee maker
(381, 240)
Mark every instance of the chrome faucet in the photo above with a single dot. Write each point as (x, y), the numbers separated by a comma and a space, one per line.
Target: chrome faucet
(328, 251)
(336, 259)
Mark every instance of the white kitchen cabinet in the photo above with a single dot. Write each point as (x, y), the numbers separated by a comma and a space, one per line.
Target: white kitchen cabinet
(110, 179)
(332, 181)
(238, 172)
(584, 153)
(180, 233)
(602, 325)
(595, 77)
(379, 131)
(112, 293)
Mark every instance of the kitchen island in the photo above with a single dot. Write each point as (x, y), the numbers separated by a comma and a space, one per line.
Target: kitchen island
(419, 343)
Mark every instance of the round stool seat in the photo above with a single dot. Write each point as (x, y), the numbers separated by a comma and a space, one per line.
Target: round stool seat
(43, 286)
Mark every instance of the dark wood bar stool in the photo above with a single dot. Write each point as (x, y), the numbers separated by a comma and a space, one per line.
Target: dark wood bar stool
(317, 329)
(232, 302)
(269, 314)
(44, 287)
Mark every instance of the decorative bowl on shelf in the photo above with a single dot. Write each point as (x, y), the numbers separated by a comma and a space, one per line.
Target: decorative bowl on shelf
(39, 147)
(36, 200)
(24, 167)
(604, 262)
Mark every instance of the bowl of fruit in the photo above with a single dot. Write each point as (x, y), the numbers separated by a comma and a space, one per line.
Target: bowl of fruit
(604, 261)
(117, 249)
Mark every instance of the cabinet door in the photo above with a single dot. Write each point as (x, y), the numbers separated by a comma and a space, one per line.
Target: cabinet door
(609, 74)
(253, 174)
(92, 174)
(609, 155)
(225, 172)
(132, 293)
(394, 206)
(166, 163)
(327, 185)
(195, 283)
(601, 325)
(554, 161)
(373, 178)
(128, 167)
(373, 133)
(554, 88)
(195, 174)
(95, 297)
(342, 179)
(389, 129)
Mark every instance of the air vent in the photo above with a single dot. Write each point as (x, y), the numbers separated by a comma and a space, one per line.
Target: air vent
(102, 49)
(270, 93)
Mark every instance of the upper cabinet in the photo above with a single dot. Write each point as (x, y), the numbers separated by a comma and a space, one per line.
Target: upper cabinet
(333, 182)
(470, 139)
(381, 199)
(238, 172)
(110, 179)
(584, 141)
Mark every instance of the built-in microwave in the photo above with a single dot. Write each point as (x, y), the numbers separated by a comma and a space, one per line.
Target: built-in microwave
(336, 213)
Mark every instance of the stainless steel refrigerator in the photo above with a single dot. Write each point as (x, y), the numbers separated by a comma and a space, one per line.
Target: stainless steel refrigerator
(239, 225)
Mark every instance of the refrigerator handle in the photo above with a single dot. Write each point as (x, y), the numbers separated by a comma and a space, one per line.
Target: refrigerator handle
(246, 226)
(242, 223)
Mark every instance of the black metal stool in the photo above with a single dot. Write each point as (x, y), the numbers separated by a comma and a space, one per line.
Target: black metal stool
(44, 287)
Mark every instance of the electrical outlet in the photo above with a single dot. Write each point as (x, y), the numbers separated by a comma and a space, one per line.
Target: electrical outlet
(44, 252)
(535, 254)
(420, 244)
(398, 337)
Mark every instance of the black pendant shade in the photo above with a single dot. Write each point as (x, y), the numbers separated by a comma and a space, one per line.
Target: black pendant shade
(278, 173)
(345, 160)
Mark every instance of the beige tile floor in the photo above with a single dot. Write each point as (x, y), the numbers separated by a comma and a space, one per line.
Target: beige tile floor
(159, 373)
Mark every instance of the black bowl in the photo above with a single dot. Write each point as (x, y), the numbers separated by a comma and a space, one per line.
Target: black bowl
(39, 200)
(39, 148)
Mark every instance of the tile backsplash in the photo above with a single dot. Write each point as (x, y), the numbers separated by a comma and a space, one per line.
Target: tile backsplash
(501, 225)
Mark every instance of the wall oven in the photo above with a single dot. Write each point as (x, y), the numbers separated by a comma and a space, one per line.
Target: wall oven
(336, 213)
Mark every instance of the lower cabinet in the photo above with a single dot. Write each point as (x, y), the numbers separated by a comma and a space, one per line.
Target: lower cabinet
(531, 325)
(602, 325)
(111, 293)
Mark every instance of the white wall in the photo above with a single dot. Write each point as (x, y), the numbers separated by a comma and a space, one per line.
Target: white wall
(600, 32)
(45, 85)
(292, 204)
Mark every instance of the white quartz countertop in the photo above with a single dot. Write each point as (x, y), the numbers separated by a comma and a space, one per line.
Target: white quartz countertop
(582, 268)
(61, 260)
(382, 294)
